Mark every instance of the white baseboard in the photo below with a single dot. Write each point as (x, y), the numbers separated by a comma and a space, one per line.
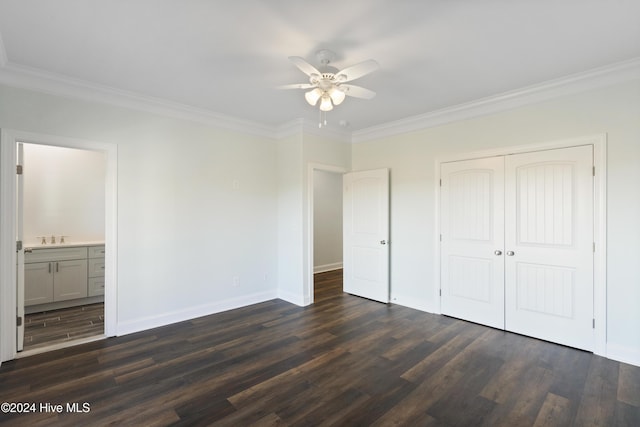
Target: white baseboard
(413, 303)
(327, 267)
(623, 354)
(150, 322)
(296, 299)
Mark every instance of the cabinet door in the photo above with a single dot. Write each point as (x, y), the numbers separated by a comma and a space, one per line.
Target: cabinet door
(38, 283)
(70, 280)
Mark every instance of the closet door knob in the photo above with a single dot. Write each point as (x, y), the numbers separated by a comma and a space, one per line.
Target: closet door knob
(510, 253)
(383, 242)
(497, 252)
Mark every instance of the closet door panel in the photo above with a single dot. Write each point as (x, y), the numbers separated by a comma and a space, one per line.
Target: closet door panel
(548, 242)
(472, 224)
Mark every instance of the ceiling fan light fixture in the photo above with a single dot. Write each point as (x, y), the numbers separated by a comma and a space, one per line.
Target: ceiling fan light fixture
(337, 96)
(325, 103)
(313, 96)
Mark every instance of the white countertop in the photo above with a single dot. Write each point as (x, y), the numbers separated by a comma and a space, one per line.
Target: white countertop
(64, 245)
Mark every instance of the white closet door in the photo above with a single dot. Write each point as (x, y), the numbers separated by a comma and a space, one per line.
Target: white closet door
(472, 225)
(366, 234)
(549, 245)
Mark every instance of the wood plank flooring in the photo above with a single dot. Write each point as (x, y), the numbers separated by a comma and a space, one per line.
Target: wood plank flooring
(344, 361)
(59, 326)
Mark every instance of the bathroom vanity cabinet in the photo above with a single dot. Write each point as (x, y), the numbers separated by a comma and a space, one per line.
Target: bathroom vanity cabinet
(68, 273)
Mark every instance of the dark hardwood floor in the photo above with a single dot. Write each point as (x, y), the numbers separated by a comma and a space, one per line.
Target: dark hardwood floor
(343, 361)
(64, 325)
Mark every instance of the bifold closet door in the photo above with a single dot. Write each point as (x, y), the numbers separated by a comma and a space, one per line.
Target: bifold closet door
(472, 228)
(549, 245)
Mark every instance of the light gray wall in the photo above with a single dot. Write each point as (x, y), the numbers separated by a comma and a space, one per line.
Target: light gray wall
(197, 205)
(327, 220)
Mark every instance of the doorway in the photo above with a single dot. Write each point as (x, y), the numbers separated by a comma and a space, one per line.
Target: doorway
(325, 225)
(518, 239)
(61, 223)
(9, 256)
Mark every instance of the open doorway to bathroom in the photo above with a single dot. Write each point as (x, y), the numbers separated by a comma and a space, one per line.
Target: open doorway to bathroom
(61, 210)
(327, 233)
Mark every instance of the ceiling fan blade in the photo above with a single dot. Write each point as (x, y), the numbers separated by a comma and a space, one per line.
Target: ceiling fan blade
(304, 66)
(297, 86)
(357, 91)
(357, 71)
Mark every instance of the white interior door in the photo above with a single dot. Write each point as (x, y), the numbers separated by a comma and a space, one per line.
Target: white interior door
(549, 244)
(472, 227)
(366, 234)
(19, 238)
(517, 243)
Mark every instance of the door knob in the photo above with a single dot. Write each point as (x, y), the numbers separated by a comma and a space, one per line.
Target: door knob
(510, 253)
(383, 242)
(497, 252)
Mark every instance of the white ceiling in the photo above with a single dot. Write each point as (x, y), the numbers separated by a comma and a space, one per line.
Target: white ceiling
(227, 57)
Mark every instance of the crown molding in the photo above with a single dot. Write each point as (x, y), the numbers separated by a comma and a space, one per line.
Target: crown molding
(305, 126)
(42, 81)
(575, 83)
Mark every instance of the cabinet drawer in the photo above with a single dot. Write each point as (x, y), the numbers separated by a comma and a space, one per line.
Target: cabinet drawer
(96, 267)
(96, 251)
(96, 286)
(55, 254)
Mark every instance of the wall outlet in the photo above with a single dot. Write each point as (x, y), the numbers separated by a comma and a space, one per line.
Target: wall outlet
(236, 280)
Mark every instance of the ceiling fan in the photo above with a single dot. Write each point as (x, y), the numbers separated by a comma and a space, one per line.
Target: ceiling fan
(329, 85)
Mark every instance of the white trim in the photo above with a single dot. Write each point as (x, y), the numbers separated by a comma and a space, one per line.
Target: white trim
(66, 344)
(189, 313)
(416, 304)
(579, 82)
(599, 143)
(7, 240)
(297, 126)
(44, 81)
(308, 273)
(8, 257)
(51, 83)
(623, 354)
(296, 299)
(327, 267)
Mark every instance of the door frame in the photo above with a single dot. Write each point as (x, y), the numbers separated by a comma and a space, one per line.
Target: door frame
(8, 256)
(308, 273)
(599, 143)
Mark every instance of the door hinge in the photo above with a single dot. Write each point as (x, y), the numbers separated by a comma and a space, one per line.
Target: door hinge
(19, 321)
(593, 323)
(440, 292)
(19, 169)
(594, 171)
(594, 247)
(440, 183)
(19, 245)
(441, 237)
